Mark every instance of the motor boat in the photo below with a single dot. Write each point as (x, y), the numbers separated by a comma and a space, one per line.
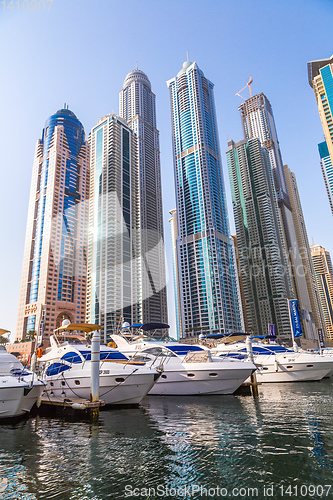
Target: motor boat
(277, 363)
(19, 387)
(66, 366)
(187, 369)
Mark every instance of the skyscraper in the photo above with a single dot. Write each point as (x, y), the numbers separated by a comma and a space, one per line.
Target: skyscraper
(305, 254)
(320, 76)
(262, 254)
(114, 290)
(206, 269)
(327, 170)
(324, 275)
(137, 107)
(53, 284)
(258, 121)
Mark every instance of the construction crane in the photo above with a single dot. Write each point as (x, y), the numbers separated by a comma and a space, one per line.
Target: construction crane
(247, 85)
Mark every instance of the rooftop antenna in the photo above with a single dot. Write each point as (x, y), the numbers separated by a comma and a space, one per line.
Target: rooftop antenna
(188, 57)
(247, 85)
(136, 66)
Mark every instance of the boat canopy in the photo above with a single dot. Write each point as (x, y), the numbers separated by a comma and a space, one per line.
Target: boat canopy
(81, 327)
(146, 327)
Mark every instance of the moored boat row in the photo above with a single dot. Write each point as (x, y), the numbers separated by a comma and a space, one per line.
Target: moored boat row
(133, 366)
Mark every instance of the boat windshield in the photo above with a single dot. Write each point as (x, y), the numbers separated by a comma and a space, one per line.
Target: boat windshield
(144, 338)
(156, 351)
(72, 340)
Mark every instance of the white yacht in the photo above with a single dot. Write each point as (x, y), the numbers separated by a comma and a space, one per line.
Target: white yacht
(187, 369)
(276, 363)
(66, 366)
(19, 387)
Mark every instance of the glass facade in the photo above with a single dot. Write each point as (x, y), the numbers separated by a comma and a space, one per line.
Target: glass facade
(208, 291)
(266, 281)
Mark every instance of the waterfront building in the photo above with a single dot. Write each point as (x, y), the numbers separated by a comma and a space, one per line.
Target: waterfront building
(53, 283)
(324, 274)
(176, 285)
(206, 268)
(114, 289)
(258, 121)
(305, 253)
(327, 170)
(320, 76)
(137, 107)
(262, 254)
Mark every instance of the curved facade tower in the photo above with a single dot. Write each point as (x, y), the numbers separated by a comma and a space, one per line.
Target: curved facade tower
(206, 268)
(137, 107)
(53, 284)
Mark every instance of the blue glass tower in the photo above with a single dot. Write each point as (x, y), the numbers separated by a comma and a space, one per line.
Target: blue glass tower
(54, 264)
(327, 169)
(206, 272)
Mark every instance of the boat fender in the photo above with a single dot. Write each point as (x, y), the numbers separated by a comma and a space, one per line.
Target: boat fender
(39, 401)
(78, 406)
(276, 366)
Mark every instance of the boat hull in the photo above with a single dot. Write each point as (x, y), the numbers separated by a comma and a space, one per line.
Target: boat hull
(301, 372)
(117, 387)
(194, 380)
(17, 397)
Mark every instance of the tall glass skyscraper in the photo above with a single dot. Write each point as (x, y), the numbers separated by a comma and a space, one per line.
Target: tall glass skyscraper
(137, 107)
(206, 269)
(262, 254)
(258, 121)
(114, 289)
(54, 264)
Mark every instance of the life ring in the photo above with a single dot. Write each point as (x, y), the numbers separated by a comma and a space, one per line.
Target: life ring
(39, 352)
(112, 344)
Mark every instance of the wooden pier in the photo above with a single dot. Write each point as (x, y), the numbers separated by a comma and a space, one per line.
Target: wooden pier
(51, 405)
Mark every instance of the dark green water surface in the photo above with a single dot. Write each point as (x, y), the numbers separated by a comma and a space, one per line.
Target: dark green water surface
(278, 446)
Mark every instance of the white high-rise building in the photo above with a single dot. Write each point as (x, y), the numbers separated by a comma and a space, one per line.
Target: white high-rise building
(137, 107)
(114, 249)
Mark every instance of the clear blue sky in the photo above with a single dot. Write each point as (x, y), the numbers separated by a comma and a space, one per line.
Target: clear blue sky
(80, 51)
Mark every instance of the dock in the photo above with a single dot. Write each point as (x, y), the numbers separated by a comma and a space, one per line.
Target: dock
(51, 405)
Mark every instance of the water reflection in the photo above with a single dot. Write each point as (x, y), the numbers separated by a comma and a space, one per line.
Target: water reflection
(284, 437)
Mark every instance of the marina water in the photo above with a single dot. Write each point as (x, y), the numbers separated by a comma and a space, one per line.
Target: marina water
(277, 446)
